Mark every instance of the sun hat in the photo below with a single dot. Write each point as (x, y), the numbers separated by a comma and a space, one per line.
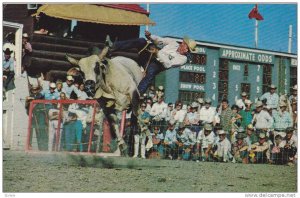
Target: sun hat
(250, 126)
(25, 35)
(52, 85)
(194, 105)
(259, 104)
(200, 100)
(273, 86)
(208, 127)
(240, 136)
(70, 78)
(7, 51)
(282, 104)
(244, 94)
(262, 135)
(208, 100)
(221, 132)
(247, 102)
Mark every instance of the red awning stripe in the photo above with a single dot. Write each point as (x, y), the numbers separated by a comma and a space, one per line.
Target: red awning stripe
(128, 7)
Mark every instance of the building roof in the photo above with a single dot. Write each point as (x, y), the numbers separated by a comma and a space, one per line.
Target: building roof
(110, 14)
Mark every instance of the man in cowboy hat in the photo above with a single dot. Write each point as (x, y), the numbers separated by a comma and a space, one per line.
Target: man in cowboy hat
(262, 119)
(247, 114)
(207, 113)
(240, 148)
(69, 87)
(51, 93)
(26, 52)
(241, 102)
(223, 152)
(167, 52)
(282, 119)
(259, 150)
(271, 97)
(205, 141)
(8, 69)
(293, 96)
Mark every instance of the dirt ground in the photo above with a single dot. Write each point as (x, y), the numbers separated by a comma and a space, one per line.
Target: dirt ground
(62, 172)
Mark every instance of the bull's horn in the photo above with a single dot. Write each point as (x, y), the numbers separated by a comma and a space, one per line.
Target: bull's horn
(103, 52)
(72, 60)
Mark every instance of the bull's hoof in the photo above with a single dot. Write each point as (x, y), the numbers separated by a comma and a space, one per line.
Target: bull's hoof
(123, 149)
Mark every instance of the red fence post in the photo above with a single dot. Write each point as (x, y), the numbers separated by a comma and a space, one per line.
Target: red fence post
(92, 128)
(57, 142)
(123, 123)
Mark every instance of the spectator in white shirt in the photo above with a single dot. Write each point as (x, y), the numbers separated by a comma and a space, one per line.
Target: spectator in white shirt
(178, 114)
(241, 102)
(271, 97)
(205, 141)
(207, 113)
(81, 94)
(223, 152)
(262, 119)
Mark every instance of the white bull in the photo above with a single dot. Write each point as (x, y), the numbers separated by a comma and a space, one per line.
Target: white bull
(116, 84)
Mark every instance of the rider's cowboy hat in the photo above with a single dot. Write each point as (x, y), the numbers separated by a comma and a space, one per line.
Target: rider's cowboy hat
(273, 86)
(7, 51)
(190, 43)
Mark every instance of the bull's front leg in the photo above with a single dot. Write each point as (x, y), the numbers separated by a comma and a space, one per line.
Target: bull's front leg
(115, 128)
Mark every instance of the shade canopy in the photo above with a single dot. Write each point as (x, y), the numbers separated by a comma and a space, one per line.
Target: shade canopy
(104, 14)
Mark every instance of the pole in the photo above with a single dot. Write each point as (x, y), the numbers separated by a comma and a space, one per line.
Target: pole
(256, 33)
(290, 39)
(148, 9)
(122, 127)
(92, 129)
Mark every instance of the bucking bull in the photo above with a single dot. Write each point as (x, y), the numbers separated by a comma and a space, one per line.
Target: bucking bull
(113, 83)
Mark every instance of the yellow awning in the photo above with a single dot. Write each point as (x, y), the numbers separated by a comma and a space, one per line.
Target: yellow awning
(94, 14)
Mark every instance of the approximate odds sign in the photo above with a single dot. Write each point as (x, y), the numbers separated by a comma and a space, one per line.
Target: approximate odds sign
(246, 56)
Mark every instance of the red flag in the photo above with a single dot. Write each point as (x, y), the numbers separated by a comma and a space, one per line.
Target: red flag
(255, 14)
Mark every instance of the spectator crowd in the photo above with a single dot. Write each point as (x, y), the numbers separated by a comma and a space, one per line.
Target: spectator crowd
(241, 131)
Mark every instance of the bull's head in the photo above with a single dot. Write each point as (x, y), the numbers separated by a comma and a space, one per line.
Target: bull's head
(93, 69)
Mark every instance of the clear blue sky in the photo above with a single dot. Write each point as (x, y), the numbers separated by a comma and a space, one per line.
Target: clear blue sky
(226, 23)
